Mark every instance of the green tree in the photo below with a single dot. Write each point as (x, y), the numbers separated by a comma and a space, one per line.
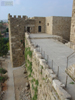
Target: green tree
(6, 40)
(7, 30)
(0, 35)
(3, 71)
(3, 47)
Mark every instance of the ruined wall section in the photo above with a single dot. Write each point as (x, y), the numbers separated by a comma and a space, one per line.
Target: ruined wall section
(16, 38)
(72, 33)
(44, 83)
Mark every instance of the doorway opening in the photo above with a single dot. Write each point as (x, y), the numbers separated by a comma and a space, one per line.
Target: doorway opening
(28, 29)
(39, 28)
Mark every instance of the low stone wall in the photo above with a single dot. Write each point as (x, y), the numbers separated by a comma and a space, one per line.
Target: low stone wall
(43, 81)
(70, 45)
(71, 71)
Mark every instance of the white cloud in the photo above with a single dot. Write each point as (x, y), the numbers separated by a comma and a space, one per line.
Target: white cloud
(17, 2)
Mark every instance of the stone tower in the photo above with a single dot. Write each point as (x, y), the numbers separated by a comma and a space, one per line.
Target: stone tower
(16, 38)
(72, 34)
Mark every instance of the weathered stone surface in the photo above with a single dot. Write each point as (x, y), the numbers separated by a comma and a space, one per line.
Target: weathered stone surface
(60, 91)
(49, 88)
(58, 26)
(71, 71)
(72, 33)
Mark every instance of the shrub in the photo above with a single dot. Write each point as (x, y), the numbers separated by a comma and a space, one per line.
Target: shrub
(3, 71)
(3, 79)
(3, 47)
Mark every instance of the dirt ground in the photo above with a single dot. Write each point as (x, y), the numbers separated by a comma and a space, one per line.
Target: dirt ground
(17, 86)
(4, 65)
(4, 85)
(20, 81)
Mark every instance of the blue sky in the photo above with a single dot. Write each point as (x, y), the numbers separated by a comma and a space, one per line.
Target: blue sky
(37, 8)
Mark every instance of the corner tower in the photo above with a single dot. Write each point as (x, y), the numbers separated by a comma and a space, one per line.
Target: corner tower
(16, 39)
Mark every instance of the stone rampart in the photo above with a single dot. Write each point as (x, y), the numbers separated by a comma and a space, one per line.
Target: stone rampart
(16, 39)
(44, 83)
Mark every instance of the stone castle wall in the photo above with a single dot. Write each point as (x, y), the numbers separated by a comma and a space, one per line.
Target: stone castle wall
(30, 23)
(49, 24)
(40, 21)
(71, 69)
(72, 34)
(44, 83)
(17, 27)
(58, 26)
(61, 26)
(16, 38)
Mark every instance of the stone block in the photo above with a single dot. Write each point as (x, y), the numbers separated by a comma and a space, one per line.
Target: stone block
(42, 62)
(60, 91)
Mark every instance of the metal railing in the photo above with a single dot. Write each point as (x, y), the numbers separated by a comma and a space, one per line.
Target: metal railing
(68, 58)
(54, 66)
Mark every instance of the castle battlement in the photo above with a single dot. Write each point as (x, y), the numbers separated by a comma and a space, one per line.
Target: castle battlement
(17, 17)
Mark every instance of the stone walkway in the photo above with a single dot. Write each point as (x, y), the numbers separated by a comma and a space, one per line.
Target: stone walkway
(10, 93)
(57, 52)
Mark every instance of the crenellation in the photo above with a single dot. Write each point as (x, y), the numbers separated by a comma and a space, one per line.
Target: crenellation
(24, 17)
(10, 16)
(14, 16)
(19, 16)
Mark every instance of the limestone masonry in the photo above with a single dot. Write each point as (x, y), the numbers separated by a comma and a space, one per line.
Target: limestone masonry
(58, 26)
(72, 34)
(18, 26)
(44, 83)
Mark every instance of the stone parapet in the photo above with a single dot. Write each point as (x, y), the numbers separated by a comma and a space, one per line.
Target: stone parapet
(44, 83)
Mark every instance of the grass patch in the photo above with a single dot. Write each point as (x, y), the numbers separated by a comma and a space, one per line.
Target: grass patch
(32, 86)
(43, 78)
(36, 82)
(33, 80)
(34, 97)
(72, 83)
